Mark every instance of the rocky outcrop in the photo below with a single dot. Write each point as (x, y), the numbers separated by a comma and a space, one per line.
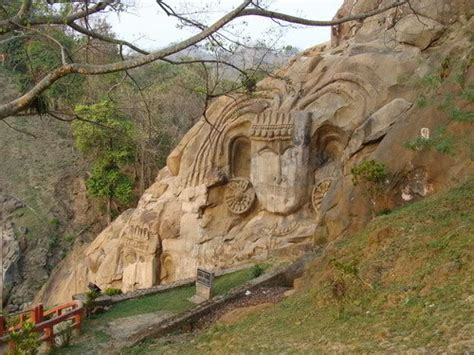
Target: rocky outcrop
(271, 174)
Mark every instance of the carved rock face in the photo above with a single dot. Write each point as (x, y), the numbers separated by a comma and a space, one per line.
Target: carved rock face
(280, 154)
(271, 173)
(140, 252)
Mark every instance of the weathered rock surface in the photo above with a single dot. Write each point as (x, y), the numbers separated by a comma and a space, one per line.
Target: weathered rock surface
(418, 31)
(10, 259)
(272, 173)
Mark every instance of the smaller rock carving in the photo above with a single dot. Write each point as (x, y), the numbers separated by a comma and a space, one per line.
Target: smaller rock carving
(319, 191)
(239, 196)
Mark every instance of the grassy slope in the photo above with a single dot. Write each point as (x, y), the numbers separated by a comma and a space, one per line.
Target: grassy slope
(175, 301)
(405, 283)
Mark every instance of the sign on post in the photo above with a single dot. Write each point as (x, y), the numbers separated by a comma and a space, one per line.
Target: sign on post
(204, 282)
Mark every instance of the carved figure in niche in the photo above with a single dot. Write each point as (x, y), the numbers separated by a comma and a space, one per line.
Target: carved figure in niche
(319, 191)
(167, 268)
(239, 196)
(279, 162)
(240, 153)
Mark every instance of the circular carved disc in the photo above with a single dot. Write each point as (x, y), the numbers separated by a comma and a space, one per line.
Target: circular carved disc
(239, 195)
(319, 191)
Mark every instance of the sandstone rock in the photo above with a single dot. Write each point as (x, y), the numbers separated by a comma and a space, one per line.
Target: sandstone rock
(418, 31)
(377, 124)
(10, 258)
(272, 173)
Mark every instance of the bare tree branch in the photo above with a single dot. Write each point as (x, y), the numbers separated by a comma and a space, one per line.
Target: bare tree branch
(306, 22)
(25, 100)
(243, 9)
(18, 129)
(22, 18)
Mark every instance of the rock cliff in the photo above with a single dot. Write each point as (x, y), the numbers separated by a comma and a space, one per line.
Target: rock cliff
(270, 173)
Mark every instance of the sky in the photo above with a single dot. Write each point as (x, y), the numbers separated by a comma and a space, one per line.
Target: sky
(147, 26)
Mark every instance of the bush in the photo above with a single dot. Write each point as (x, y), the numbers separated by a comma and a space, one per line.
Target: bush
(372, 175)
(91, 296)
(63, 336)
(369, 171)
(26, 340)
(112, 291)
(257, 270)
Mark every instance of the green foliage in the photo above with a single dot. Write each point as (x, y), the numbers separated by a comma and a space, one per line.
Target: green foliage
(347, 269)
(107, 181)
(384, 212)
(422, 101)
(103, 128)
(369, 171)
(63, 335)
(110, 291)
(31, 58)
(432, 81)
(441, 141)
(468, 94)
(456, 114)
(91, 296)
(55, 223)
(26, 340)
(257, 270)
(107, 137)
(372, 175)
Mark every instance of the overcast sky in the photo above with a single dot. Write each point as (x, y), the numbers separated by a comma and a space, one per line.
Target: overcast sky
(150, 28)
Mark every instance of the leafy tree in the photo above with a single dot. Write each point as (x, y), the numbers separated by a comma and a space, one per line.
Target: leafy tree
(106, 137)
(29, 58)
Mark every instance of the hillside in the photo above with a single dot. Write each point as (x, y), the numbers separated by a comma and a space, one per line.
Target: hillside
(403, 284)
(42, 197)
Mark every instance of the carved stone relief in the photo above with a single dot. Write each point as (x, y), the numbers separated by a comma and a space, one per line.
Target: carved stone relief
(239, 196)
(319, 191)
(280, 155)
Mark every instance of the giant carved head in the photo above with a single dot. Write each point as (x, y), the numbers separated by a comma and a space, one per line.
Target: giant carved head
(279, 159)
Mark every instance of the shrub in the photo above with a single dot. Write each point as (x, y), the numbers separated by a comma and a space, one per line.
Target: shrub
(369, 171)
(63, 336)
(91, 296)
(110, 291)
(372, 175)
(257, 270)
(26, 340)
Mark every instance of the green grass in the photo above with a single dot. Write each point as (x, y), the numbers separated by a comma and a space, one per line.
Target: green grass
(418, 263)
(175, 301)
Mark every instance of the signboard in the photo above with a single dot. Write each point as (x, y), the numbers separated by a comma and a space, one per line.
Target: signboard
(204, 281)
(205, 277)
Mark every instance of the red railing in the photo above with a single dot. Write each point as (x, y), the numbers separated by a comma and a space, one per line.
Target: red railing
(45, 321)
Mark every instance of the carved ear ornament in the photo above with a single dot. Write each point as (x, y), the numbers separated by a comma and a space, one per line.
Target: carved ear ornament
(239, 196)
(319, 192)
